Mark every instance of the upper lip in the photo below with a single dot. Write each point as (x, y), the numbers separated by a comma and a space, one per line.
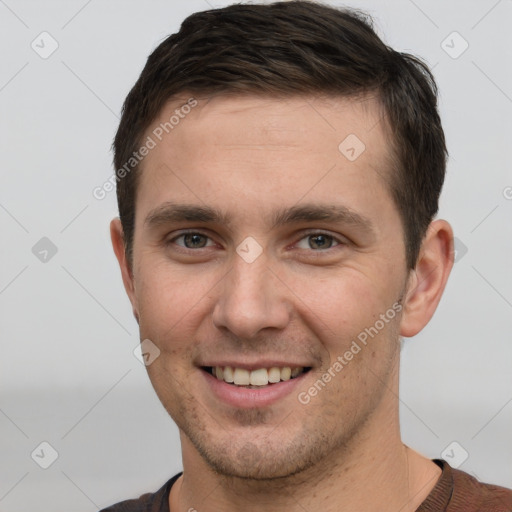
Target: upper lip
(267, 363)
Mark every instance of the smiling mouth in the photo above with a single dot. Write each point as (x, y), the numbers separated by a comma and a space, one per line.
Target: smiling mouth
(254, 379)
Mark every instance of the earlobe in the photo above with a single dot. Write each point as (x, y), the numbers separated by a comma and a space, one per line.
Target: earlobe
(428, 279)
(117, 237)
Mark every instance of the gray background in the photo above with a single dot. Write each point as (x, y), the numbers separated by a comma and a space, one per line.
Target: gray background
(68, 375)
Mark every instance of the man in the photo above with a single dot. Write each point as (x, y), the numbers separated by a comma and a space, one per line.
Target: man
(278, 174)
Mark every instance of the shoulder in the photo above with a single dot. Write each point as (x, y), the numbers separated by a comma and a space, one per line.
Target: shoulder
(469, 494)
(141, 504)
(148, 502)
(458, 491)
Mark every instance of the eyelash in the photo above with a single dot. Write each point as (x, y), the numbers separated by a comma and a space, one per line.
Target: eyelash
(339, 242)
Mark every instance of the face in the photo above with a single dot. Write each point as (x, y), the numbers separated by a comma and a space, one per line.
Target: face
(264, 246)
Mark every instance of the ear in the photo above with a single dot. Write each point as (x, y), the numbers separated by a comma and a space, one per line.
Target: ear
(117, 237)
(428, 279)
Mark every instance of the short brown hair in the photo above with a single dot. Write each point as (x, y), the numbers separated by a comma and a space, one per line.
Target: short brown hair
(296, 47)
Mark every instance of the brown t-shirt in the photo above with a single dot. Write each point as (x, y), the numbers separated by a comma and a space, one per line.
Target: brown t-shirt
(455, 491)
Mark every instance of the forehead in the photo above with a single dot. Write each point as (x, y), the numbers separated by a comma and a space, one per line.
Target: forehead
(241, 149)
(291, 120)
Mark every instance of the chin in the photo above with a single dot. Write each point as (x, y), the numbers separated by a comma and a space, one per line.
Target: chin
(237, 457)
(250, 463)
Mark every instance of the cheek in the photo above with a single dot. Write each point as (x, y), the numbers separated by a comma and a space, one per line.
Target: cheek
(339, 301)
(168, 299)
(344, 311)
(175, 307)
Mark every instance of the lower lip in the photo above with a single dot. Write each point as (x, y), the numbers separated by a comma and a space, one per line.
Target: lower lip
(250, 398)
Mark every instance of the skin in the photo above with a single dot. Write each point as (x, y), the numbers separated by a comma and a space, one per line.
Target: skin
(249, 156)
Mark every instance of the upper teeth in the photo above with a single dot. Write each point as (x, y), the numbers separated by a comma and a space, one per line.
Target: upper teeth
(259, 377)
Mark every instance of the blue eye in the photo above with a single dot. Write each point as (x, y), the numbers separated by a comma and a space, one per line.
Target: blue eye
(192, 240)
(315, 241)
(319, 241)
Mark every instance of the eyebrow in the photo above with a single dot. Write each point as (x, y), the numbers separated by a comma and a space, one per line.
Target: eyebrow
(178, 212)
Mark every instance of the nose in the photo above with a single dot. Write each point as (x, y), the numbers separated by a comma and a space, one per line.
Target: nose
(252, 297)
